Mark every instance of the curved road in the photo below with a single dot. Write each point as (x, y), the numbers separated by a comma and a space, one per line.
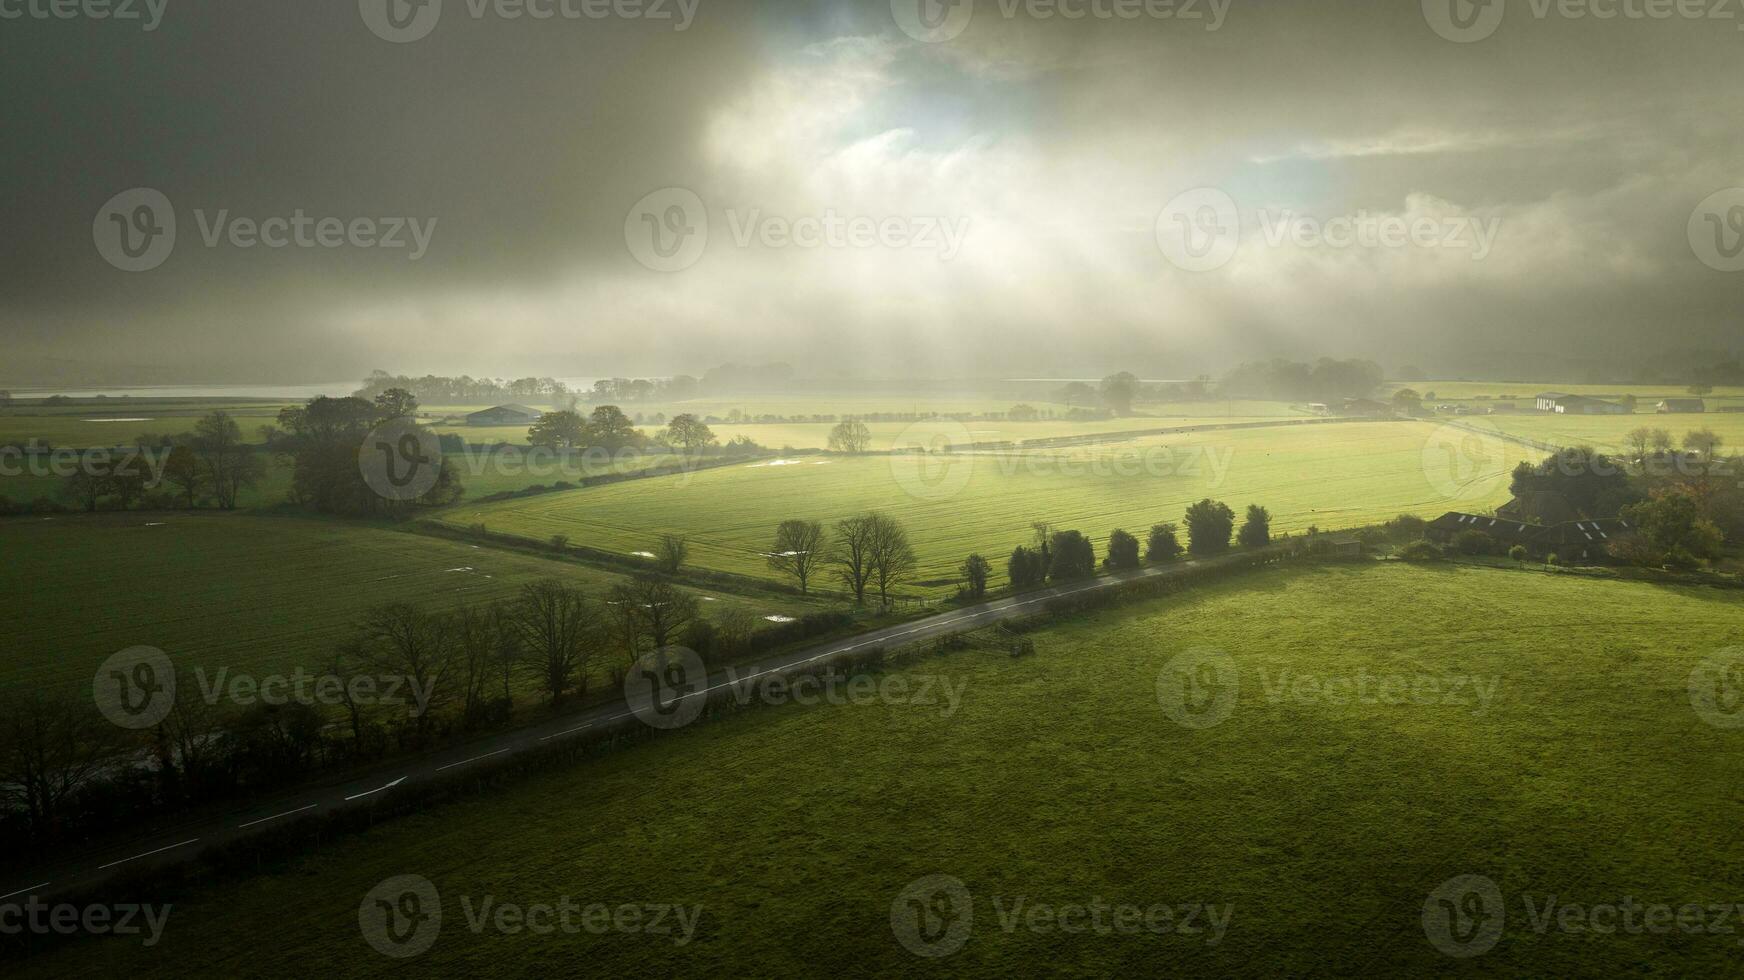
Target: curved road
(84, 874)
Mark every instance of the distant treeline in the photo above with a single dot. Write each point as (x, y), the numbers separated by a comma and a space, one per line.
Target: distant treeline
(1325, 380)
(728, 379)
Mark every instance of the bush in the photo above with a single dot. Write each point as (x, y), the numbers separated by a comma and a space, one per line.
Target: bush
(1122, 551)
(1209, 525)
(1406, 527)
(1470, 542)
(1518, 552)
(1164, 546)
(1026, 568)
(560, 542)
(1070, 556)
(1256, 531)
(975, 570)
(1420, 551)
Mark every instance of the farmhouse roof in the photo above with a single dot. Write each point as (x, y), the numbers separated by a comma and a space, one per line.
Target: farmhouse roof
(514, 407)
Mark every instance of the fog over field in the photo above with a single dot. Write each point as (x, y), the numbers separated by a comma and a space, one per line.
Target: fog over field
(1552, 169)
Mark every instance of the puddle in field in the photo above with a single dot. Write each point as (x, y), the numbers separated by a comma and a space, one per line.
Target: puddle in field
(709, 598)
(778, 618)
(118, 420)
(781, 462)
(643, 554)
(156, 524)
(463, 568)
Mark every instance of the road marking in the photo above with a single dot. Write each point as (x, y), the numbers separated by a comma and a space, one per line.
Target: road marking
(572, 731)
(23, 890)
(475, 758)
(277, 815)
(378, 789)
(136, 857)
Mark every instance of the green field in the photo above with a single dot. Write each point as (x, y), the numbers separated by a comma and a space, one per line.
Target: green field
(1322, 824)
(249, 593)
(1609, 431)
(1334, 475)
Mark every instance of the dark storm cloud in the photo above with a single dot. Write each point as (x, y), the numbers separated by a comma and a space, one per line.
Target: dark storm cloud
(526, 141)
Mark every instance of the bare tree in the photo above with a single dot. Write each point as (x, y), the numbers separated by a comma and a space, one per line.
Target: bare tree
(190, 736)
(799, 548)
(890, 555)
(559, 632)
(851, 436)
(477, 639)
(1703, 442)
(402, 640)
(1661, 441)
(852, 554)
(49, 750)
(670, 553)
(229, 464)
(349, 661)
(661, 611)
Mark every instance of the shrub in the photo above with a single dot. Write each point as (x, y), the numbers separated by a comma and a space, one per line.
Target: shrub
(1406, 527)
(1026, 568)
(1209, 525)
(1164, 546)
(974, 570)
(1070, 556)
(1553, 559)
(1256, 531)
(1122, 551)
(559, 542)
(1518, 552)
(1471, 542)
(1420, 551)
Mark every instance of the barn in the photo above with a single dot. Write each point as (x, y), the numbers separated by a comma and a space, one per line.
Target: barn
(505, 415)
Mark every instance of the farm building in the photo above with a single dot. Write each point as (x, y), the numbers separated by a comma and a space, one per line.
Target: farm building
(1539, 507)
(1570, 541)
(1365, 408)
(1578, 405)
(1682, 406)
(505, 415)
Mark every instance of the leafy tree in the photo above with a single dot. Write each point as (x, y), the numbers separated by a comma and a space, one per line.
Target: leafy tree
(1703, 442)
(799, 548)
(1122, 550)
(670, 553)
(1661, 441)
(1071, 556)
(1256, 530)
(1406, 527)
(1595, 484)
(1209, 525)
(557, 430)
(850, 436)
(610, 429)
(1699, 390)
(1671, 521)
(1407, 402)
(1163, 546)
(974, 571)
(1026, 568)
(1023, 413)
(691, 433)
(1638, 440)
(396, 403)
(183, 470)
(1118, 391)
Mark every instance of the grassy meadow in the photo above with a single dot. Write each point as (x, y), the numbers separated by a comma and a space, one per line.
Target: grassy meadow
(1566, 763)
(262, 594)
(1333, 475)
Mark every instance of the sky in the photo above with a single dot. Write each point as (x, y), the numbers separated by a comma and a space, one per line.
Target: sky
(648, 187)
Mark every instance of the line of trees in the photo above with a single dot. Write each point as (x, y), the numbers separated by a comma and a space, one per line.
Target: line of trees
(210, 465)
(870, 553)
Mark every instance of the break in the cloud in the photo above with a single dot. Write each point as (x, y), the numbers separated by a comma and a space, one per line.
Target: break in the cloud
(1009, 184)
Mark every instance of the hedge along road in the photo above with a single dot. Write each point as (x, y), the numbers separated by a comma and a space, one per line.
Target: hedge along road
(85, 875)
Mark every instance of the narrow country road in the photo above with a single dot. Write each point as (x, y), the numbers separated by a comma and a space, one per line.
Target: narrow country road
(85, 873)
